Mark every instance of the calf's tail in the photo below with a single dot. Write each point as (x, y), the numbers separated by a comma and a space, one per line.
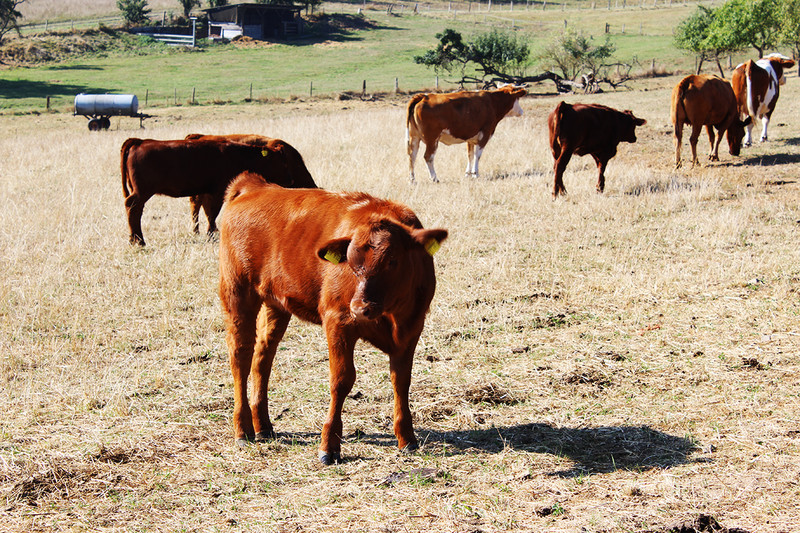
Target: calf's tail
(677, 101)
(410, 120)
(555, 136)
(124, 153)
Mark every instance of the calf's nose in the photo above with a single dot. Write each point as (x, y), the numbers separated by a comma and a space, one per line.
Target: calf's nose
(362, 310)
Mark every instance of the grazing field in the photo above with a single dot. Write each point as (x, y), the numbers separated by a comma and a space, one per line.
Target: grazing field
(603, 363)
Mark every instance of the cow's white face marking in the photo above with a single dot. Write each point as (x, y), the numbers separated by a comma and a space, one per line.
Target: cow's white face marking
(516, 110)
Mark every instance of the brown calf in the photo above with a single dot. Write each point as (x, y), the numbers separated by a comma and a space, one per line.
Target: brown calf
(293, 161)
(359, 266)
(588, 129)
(708, 101)
(190, 168)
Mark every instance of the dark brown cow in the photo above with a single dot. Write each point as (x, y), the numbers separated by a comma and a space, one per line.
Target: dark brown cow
(708, 101)
(359, 266)
(189, 168)
(293, 162)
(588, 129)
(757, 85)
(464, 116)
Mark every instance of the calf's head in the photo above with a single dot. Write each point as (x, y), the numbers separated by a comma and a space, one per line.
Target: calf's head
(387, 259)
(628, 129)
(735, 135)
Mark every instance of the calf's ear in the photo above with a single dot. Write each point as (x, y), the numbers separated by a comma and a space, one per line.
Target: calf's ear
(334, 251)
(639, 121)
(430, 239)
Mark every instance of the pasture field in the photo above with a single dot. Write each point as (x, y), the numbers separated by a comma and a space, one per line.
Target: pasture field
(601, 363)
(376, 49)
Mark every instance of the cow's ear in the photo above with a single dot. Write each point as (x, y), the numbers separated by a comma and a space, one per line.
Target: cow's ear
(639, 121)
(430, 239)
(334, 251)
(519, 93)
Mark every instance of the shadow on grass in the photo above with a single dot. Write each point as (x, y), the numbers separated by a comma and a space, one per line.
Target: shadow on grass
(593, 450)
(771, 160)
(17, 89)
(338, 27)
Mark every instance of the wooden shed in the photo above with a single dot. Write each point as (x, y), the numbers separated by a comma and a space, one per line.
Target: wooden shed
(257, 21)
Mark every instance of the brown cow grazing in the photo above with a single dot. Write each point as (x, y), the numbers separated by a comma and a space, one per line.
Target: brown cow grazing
(588, 129)
(708, 101)
(292, 160)
(359, 266)
(756, 85)
(189, 168)
(464, 116)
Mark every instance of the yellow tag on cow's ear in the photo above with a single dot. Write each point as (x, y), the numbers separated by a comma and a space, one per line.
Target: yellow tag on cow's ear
(264, 153)
(432, 246)
(333, 257)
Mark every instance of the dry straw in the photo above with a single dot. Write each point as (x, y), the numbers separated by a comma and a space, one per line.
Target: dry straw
(604, 362)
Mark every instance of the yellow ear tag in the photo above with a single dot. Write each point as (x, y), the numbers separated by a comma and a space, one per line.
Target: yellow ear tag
(333, 257)
(432, 246)
(264, 153)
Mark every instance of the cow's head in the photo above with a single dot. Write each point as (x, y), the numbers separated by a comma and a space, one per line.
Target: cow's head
(387, 259)
(780, 63)
(628, 131)
(736, 134)
(516, 92)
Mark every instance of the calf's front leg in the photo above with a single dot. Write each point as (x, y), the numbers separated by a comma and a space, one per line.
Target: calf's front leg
(400, 365)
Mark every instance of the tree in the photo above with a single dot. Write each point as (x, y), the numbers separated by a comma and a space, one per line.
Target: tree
(134, 11)
(790, 25)
(496, 55)
(692, 35)
(188, 5)
(217, 3)
(738, 24)
(9, 16)
(571, 54)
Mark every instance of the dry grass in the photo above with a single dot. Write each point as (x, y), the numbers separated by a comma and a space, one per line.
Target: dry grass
(598, 363)
(41, 10)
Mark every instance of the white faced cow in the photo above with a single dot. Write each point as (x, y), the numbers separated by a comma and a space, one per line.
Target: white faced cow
(757, 85)
(464, 116)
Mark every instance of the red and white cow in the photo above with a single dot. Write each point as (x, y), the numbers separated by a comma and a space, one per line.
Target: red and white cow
(757, 86)
(452, 118)
(359, 266)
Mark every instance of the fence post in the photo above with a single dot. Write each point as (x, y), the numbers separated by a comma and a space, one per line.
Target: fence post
(437, 83)
(48, 103)
(311, 89)
(193, 90)
(396, 86)
(176, 96)
(364, 88)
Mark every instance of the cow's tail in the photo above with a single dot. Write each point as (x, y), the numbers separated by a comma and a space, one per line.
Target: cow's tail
(677, 101)
(245, 182)
(555, 136)
(411, 122)
(124, 153)
(748, 70)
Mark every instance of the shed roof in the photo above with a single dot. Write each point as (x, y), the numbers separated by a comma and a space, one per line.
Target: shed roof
(263, 7)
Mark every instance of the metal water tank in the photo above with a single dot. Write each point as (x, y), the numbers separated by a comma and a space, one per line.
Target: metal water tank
(106, 105)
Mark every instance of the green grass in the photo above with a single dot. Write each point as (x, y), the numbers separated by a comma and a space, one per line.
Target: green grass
(337, 63)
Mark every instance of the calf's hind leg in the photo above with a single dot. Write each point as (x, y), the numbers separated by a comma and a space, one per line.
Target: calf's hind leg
(271, 325)
(560, 166)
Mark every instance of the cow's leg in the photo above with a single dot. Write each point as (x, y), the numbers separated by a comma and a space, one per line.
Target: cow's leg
(400, 365)
(693, 138)
(430, 151)
(601, 168)
(134, 205)
(194, 205)
(478, 153)
(678, 136)
(764, 125)
(212, 205)
(471, 171)
(714, 154)
(271, 325)
(748, 134)
(561, 164)
(342, 378)
(413, 149)
(241, 311)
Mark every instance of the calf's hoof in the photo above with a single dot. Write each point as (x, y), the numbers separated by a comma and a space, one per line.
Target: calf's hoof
(410, 448)
(329, 458)
(242, 443)
(263, 436)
